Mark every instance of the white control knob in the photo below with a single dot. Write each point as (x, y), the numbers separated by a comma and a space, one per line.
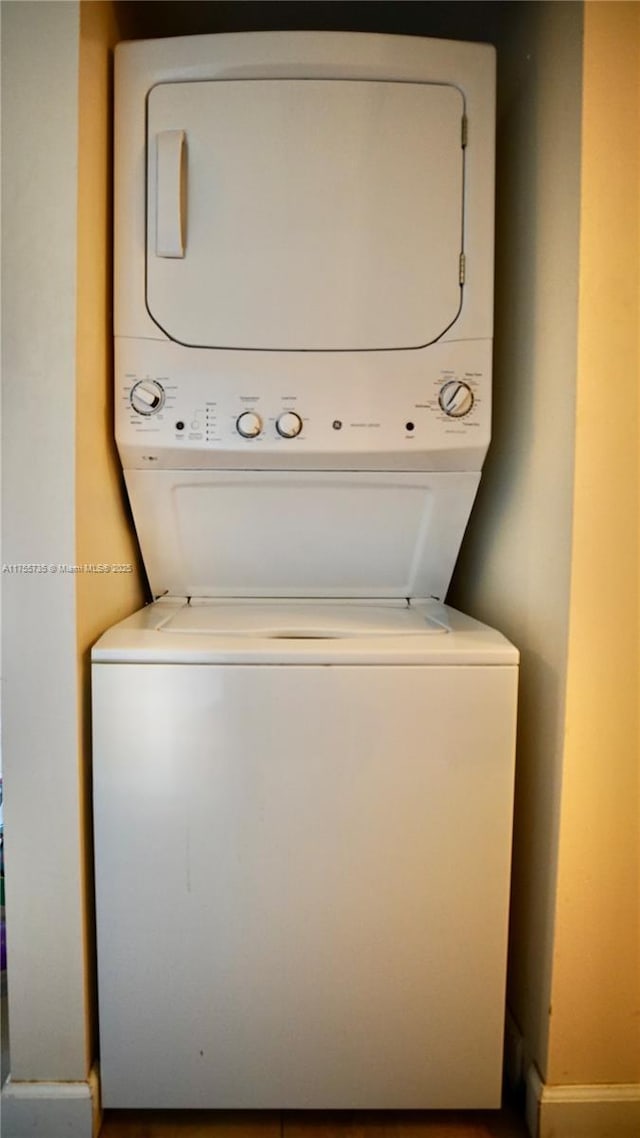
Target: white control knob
(147, 396)
(249, 425)
(289, 425)
(456, 398)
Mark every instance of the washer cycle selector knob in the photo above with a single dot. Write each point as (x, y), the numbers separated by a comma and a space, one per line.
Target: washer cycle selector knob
(147, 396)
(456, 398)
(289, 424)
(249, 425)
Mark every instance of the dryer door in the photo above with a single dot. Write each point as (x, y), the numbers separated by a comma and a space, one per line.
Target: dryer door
(304, 214)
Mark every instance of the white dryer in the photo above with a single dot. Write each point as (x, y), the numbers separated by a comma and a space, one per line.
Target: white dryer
(303, 760)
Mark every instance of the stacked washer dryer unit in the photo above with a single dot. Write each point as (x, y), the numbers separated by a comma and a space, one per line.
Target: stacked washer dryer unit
(303, 761)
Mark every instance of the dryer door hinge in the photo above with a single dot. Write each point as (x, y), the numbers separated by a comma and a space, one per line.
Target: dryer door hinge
(464, 131)
(463, 266)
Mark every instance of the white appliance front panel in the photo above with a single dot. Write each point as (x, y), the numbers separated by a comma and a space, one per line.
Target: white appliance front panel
(314, 215)
(378, 217)
(358, 411)
(283, 534)
(301, 56)
(302, 879)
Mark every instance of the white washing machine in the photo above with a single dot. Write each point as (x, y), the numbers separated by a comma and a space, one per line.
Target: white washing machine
(303, 760)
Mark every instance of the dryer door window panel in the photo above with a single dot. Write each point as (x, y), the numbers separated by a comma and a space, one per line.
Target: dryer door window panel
(338, 226)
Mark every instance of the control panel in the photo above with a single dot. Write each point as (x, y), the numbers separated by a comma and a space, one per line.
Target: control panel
(374, 412)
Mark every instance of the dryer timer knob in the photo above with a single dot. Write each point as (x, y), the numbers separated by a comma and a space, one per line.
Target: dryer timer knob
(456, 398)
(147, 396)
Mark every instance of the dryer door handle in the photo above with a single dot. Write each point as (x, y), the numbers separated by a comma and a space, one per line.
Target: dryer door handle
(171, 193)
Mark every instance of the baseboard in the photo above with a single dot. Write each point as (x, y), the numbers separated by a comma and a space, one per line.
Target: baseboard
(50, 1110)
(598, 1111)
(594, 1111)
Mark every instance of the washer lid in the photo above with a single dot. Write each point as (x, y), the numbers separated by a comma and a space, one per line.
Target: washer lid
(304, 214)
(279, 633)
(279, 533)
(305, 621)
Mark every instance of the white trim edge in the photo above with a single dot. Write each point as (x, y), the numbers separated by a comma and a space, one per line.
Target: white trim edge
(608, 1110)
(50, 1110)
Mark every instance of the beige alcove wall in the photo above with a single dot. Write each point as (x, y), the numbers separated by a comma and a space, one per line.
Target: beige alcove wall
(551, 555)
